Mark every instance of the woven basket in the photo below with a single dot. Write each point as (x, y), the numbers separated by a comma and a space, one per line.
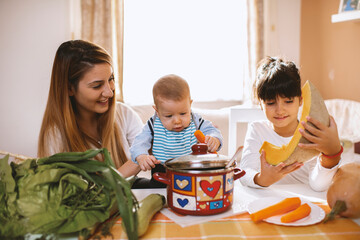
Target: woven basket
(17, 158)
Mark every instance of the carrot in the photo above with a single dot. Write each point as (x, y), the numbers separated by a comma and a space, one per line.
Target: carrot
(286, 205)
(299, 213)
(200, 136)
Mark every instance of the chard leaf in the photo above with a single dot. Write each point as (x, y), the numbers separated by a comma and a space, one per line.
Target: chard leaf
(7, 182)
(63, 193)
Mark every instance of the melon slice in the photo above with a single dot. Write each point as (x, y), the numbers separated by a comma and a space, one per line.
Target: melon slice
(314, 106)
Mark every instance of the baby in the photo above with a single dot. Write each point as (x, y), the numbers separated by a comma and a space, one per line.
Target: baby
(170, 132)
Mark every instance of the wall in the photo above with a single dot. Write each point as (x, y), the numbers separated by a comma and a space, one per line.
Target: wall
(31, 31)
(282, 28)
(329, 52)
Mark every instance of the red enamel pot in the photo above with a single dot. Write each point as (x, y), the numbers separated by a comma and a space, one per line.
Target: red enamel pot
(199, 183)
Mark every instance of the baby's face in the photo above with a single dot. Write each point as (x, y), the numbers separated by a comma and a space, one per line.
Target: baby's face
(174, 115)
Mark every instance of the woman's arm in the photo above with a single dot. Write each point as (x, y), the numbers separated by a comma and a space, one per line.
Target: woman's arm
(53, 143)
(129, 169)
(132, 123)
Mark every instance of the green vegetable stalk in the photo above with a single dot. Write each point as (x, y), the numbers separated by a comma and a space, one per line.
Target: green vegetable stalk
(63, 193)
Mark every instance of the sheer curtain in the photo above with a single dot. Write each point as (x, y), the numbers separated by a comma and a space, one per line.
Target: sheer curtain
(203, 41)
(102, 23)
(255, 43)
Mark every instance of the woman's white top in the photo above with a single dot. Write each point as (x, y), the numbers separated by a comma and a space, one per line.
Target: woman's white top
(129, 124)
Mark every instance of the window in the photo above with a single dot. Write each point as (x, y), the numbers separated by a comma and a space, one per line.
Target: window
(203, 41)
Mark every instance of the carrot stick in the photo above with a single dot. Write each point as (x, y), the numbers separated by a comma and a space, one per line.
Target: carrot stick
(299, 213)
(286, 205)
(200, 136)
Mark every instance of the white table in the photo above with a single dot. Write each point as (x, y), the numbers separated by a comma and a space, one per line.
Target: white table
(242, 197)
(241, 114)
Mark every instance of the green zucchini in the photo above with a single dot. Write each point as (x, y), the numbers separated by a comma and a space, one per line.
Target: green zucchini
(147, 209)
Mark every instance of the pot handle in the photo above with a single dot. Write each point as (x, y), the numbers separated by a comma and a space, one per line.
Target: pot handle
(161, 177)
(238, 173)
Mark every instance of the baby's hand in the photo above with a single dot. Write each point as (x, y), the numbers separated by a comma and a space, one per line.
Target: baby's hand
(213, 143)
(146, 162)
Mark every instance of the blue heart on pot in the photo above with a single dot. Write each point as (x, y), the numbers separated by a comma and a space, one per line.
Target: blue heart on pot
(182, 202)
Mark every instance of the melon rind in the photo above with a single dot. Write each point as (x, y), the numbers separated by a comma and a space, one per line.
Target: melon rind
(290, 154)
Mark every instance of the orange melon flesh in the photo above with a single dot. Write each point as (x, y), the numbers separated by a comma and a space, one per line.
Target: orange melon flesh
(314, 106)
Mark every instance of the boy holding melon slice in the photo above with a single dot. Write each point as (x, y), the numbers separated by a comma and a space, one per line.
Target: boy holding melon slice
(278, 89)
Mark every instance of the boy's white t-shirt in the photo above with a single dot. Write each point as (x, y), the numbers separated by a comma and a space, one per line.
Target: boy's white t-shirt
(312, 173)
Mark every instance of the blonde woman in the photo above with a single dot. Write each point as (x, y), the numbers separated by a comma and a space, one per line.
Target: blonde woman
(81, 110)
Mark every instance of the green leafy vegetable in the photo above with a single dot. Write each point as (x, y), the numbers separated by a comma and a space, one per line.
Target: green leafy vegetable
(63, 193)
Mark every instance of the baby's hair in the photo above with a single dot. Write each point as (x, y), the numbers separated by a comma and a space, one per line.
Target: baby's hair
(277, 77)
(171, 87)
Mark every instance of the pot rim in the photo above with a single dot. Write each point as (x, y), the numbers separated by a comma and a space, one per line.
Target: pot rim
(209, 171)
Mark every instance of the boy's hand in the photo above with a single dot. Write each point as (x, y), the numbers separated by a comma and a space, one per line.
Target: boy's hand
(213, 143)
(270, 174)
(323, 138)
(146, 162)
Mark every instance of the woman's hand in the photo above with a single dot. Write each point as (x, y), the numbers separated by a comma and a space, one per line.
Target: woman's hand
(270, 174)
(213, 143)
(323, 138)
(147, 162)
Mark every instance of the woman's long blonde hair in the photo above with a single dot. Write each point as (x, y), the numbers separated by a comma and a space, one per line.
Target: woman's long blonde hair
(72, 60)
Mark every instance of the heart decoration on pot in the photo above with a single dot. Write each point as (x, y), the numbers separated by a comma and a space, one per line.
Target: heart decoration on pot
(211, 189)
(182, 184)
(182, 202)
(202, 206)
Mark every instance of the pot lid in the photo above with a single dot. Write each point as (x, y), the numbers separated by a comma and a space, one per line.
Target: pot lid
(198, 160)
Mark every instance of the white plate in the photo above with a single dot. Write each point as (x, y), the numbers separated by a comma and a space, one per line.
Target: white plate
(317, 213)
